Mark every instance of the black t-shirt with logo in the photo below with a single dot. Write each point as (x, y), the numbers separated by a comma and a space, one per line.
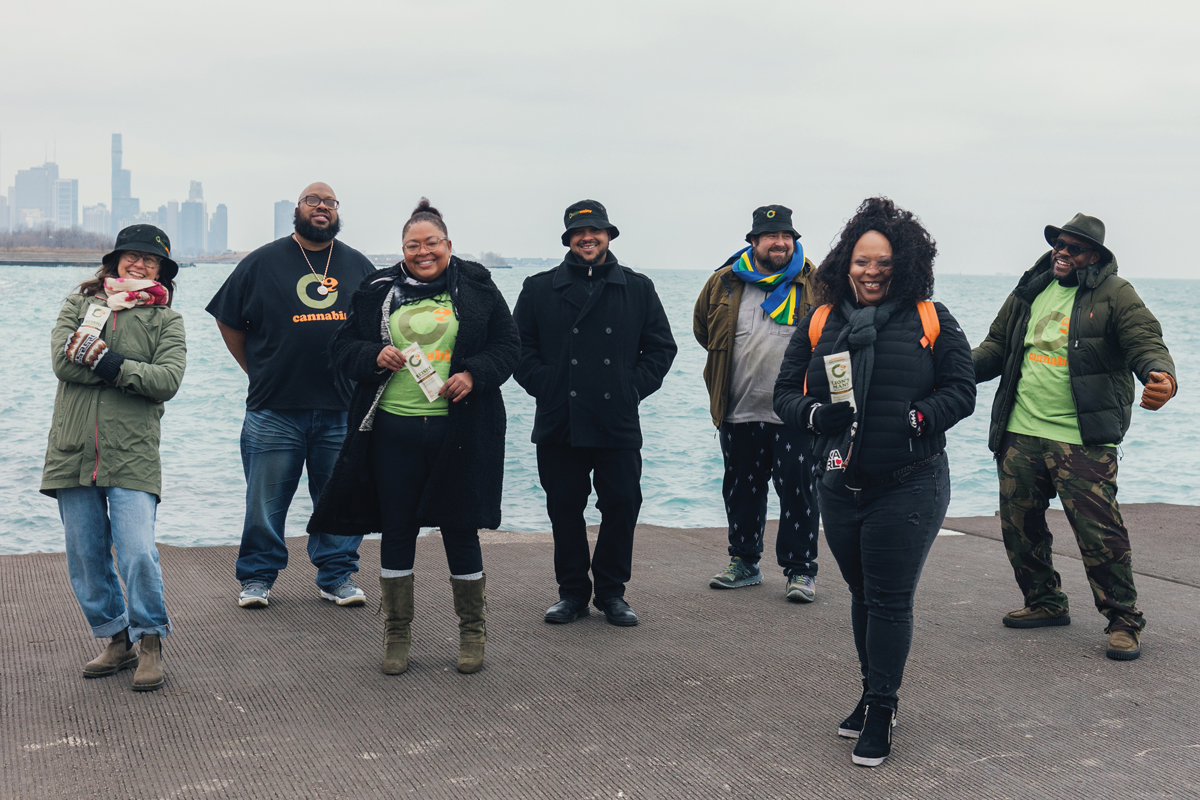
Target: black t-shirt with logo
(274, 297)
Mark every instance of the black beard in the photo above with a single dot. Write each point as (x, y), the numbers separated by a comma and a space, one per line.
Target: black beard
(600, 257)
(312, 232)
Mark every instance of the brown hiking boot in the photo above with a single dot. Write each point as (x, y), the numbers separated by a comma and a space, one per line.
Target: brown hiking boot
(117, 656)
(1035, 618)
(1123, 645)
(149, 675)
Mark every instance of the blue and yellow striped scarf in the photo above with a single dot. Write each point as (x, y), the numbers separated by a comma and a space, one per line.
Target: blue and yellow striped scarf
(781, 304)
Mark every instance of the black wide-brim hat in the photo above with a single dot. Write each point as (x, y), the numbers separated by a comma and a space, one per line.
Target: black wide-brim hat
(587, 214)
(769, 219)
(1081, 226)
(147, 239)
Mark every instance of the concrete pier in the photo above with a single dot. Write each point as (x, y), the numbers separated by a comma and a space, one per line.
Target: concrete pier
(715, 694)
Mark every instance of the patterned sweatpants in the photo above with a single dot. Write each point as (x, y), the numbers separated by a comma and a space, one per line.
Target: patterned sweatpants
(757, 454)
(1032, 471)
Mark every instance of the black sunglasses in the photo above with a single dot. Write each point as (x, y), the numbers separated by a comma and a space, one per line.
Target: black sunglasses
(1070, 247)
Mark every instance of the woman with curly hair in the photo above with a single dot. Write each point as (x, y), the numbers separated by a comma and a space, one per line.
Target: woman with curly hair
(878, 387)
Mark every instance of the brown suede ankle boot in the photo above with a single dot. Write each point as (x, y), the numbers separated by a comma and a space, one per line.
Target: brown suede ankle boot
(469, 602)
(396, 600)
(149, 675)
(117, 656)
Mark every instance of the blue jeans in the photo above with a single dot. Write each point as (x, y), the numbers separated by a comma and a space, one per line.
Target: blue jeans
(880, 537)
(276, 446)
(96, 519)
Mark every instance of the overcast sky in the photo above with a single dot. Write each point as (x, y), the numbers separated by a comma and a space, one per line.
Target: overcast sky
(989, 120)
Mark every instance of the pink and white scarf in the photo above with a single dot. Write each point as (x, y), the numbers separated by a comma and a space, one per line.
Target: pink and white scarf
(131, 292)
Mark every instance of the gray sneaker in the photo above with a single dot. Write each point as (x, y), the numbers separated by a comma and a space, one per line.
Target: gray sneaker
(347, 594)
(801, 589)
(254, 595)
(739, 573)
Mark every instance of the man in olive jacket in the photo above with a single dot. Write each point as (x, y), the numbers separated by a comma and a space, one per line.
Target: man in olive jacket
(595, 342)
(1064, 345)
(745, 317)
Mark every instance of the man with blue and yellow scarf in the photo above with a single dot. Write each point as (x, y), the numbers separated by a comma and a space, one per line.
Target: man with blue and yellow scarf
(745, 317)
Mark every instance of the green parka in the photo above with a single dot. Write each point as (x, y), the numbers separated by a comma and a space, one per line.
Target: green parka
(108, 434)
(1112, 334)
(714, 324)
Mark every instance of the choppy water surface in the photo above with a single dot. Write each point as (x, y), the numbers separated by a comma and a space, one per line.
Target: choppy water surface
(203, 495)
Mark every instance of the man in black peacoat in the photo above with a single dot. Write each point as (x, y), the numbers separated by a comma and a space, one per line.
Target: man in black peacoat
(595, 342)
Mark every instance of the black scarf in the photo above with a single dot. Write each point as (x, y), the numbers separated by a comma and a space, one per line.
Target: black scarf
(858, 335)
(407, 289)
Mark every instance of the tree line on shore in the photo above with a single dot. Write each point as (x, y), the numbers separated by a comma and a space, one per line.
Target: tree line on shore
(75, 238)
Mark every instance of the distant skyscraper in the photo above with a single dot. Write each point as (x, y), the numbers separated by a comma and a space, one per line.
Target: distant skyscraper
(284, 218)
(193, 222)
(66, 203)
(34, 196)
(218, 230)
(96, 219)
(3, 214)
(124, 205)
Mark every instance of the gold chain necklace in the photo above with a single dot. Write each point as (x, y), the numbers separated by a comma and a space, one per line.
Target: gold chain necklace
(322, 289)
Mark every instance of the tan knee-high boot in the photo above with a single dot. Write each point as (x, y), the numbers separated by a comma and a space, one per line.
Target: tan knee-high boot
(396, 598)
(469, 602)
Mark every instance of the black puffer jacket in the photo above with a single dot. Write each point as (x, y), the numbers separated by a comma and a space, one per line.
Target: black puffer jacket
(941, 387)
(464, 488)
(1113, 334)
(589, 358)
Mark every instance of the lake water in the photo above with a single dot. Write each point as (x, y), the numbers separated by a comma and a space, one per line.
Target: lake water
(204, 491)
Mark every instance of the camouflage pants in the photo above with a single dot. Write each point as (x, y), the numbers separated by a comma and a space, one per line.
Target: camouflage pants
(1032, 471)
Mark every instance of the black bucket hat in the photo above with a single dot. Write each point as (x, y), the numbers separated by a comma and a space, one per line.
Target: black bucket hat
(769, 219)
(587, 214)
(1081, 226)
(147, 239)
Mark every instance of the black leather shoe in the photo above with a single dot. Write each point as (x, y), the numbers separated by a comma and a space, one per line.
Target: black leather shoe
(565, 611)
(617, 611)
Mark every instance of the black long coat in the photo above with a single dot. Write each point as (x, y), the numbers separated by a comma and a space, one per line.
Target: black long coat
(464, 488)
(589, 358)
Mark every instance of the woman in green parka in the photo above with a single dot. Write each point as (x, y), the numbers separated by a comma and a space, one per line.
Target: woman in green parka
(119, 353)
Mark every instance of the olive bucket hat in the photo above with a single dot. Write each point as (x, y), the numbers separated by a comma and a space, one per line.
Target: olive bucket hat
(147, 239)
(1081, 226)
(587, 214)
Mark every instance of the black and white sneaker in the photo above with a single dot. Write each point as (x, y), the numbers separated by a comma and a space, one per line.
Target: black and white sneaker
(875, 741)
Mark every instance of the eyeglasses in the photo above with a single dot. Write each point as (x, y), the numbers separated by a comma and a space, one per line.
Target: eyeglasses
(429, 244)
(1070, 247)
(153, 262)
(313, 200)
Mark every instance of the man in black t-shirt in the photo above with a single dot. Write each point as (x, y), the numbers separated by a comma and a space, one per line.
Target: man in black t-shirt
(277, 313)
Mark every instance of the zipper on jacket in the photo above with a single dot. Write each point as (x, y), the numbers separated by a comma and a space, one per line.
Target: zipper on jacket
(96, 465)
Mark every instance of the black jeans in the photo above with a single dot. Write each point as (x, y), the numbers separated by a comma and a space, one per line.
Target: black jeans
(758, 453)
(564, 472)
(403, 450)
(880, 537)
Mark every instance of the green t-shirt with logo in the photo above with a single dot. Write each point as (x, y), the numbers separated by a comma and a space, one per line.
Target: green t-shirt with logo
(430, 323)
(1044, 406)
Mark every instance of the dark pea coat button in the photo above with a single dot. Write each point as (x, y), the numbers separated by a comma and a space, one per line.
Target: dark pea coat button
(572, 393)
(607, 362)
(608, 330)
(607, 396)
(574, 362)
(574, 330)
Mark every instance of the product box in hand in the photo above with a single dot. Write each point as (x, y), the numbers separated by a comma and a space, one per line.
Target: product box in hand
(422, 371)
(841, 385)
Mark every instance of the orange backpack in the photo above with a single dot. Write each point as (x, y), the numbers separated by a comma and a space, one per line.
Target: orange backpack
(929, 324)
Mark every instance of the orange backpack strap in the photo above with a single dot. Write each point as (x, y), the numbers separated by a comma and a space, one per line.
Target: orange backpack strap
(929, 323)
(815, 326)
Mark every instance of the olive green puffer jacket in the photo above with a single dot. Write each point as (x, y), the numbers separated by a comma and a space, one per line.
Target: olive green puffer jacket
(1112, 334)
(105, 433)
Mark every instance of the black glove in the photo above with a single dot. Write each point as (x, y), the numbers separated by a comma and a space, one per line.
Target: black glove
(830, 418)
(916, 423)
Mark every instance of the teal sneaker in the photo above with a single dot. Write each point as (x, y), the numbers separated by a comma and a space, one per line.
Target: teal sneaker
(739, 573)
(801, 589)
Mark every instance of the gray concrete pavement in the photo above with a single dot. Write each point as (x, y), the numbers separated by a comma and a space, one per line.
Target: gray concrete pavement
(715, 694)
